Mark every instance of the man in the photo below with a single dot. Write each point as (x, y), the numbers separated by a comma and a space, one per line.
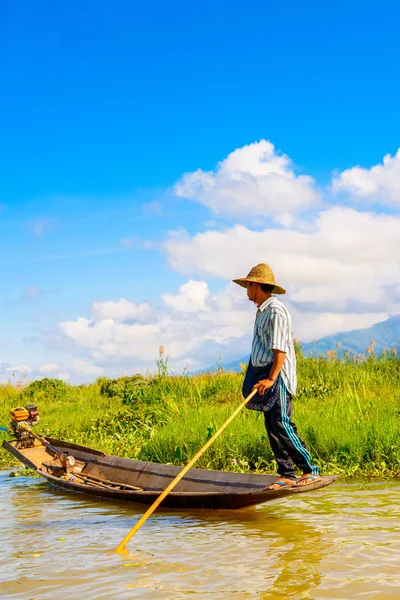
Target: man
(272, 371)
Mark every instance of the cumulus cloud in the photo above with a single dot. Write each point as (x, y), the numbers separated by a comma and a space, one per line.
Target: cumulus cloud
(339, 265)
(349, 257)
(20, 369)
(64, 375)
(49, 368)
(192, 297)
(78, 371)
(121, 310)
(310, 325)
(221, 325)
(254, 180)
(188, 323)
(379, 184)
(84, 367)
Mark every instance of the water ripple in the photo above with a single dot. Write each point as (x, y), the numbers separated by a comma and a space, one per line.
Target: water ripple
(342, 542)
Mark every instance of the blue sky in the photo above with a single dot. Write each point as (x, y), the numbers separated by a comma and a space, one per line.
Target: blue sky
(106, 106)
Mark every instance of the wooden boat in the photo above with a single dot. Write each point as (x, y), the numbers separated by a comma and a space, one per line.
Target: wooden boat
(138, 481)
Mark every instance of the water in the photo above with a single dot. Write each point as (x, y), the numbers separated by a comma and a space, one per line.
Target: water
(340, 542)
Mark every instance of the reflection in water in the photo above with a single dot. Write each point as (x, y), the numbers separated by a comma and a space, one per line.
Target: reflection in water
(291, 554)
(340, 543)
(26, 512)
(298, 551)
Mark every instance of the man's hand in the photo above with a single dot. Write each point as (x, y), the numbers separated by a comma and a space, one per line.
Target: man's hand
(263, 385)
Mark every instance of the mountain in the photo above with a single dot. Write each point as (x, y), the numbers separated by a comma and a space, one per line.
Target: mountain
(386, 335)
(232, 366)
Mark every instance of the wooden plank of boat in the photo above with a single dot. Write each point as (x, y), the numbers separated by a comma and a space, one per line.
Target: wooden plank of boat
(92, 479)
(200, 488)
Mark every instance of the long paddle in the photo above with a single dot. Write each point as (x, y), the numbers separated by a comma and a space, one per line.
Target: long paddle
(120, 549)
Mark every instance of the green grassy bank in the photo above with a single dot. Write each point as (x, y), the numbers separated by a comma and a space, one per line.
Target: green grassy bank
(347, 411)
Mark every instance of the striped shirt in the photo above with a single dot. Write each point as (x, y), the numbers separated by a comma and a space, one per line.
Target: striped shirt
(272, 331)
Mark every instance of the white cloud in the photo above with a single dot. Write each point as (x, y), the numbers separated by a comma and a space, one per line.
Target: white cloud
(217, 321)
(311, 325)
(20, 369)
(49, 368)
(80, 370)
(191, 298)
(82, 367)
(342, 272)
(121, 310)
(349, 256)
(380, 183)
(252, 180)
(63, 375)
(340, 267)
(222, 325)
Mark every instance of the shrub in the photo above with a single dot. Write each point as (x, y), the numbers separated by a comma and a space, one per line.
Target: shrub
(45, 389)
(128, 389)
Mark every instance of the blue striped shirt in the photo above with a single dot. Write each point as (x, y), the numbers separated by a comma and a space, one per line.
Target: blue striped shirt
(273, 331)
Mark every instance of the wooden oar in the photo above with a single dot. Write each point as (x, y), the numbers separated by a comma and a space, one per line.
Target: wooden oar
(120, 549)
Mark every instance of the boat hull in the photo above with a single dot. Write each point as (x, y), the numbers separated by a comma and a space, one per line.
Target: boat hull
(200, 488)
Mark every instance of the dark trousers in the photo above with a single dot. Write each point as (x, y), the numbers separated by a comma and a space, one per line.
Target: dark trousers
(287, 446)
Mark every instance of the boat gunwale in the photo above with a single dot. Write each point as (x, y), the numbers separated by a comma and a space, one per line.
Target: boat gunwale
(280, 492)
(156, 493)
(256, 496)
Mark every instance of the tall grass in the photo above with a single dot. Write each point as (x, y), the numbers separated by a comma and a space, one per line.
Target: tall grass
(347, 411)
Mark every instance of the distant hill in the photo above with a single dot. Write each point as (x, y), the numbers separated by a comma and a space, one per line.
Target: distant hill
(386, 335)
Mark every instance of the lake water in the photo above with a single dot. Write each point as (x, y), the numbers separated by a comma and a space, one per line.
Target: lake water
(341, 542)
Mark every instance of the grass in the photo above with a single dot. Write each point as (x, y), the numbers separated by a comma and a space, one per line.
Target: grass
(347, 411)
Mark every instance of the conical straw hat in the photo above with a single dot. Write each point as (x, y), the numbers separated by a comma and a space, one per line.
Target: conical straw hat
(261, 273)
